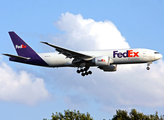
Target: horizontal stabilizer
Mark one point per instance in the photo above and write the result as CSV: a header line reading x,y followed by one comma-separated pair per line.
x,y
17,57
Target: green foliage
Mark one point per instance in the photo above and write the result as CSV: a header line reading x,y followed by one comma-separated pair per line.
x,y
134,115
120,115
71,115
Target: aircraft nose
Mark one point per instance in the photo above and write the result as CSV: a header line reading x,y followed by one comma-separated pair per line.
x,y
159,56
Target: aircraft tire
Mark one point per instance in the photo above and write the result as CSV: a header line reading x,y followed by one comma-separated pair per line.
x,y
83,74
86,73
78,71
148,68
90,72
82,70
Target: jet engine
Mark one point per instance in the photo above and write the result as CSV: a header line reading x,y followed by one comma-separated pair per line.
x,y
101,61
108,68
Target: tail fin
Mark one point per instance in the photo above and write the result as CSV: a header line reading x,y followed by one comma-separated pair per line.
x,y
22,48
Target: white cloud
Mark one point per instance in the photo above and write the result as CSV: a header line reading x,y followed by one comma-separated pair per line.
x,y
87,34
131,86
21,87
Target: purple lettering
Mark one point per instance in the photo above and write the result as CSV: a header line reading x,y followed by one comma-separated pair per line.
x,y
125,54
114,53
119,55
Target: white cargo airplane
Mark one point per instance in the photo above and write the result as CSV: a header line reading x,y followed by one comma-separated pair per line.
x,y
105,60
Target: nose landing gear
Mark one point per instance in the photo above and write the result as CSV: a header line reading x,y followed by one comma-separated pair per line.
x,y
148,68
84,71
148,65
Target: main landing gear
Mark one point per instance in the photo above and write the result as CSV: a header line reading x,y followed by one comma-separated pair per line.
x,y
148,65
84,71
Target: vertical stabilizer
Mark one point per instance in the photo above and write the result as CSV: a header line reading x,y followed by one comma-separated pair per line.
x,y
22,48
25,53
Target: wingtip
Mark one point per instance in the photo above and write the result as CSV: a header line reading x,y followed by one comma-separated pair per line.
x,y
44,42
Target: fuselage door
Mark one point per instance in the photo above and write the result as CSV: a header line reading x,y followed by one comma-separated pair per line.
x,y
144,53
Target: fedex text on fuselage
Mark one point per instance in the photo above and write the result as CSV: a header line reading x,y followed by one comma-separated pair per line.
x,y
128,53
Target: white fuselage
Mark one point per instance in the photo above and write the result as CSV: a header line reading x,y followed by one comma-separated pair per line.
x,y
120,56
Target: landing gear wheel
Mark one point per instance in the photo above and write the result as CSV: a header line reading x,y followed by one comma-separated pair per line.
x,y
78,71
83,74
148,68
86,73
90,72
81,70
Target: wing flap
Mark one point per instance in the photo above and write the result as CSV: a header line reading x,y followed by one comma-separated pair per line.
x,y
18,57
69,53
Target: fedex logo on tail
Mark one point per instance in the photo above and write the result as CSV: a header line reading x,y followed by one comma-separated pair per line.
x,y
20,46
128,53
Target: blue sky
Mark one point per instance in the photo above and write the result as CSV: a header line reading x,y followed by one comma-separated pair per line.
x,y
141,23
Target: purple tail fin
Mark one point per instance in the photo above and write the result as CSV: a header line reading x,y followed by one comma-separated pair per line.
x,y
22,48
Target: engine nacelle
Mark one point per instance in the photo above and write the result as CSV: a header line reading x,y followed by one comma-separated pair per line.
x,y
102,61
108,68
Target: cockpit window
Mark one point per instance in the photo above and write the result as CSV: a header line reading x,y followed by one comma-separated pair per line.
x,y
156,52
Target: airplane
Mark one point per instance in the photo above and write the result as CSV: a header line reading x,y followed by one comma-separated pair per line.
x,y
106,60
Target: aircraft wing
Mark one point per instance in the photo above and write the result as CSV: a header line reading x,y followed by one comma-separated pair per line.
x,y
18,57
69,53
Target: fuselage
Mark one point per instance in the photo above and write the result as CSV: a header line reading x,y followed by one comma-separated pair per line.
x,y
119,56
